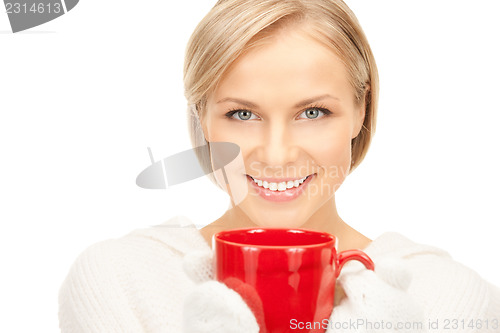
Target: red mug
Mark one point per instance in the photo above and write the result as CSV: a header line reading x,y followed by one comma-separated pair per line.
x,y
286,276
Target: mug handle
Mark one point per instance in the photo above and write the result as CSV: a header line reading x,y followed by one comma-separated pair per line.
x,y
347,255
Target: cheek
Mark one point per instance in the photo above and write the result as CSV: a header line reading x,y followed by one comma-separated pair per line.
x,y
331,150
222,131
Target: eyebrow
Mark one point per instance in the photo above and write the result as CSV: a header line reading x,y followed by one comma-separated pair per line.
x,y
298,105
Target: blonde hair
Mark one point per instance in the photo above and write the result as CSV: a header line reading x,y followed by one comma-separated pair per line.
x,y
233,26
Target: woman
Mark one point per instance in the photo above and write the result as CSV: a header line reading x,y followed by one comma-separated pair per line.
x,y
294,84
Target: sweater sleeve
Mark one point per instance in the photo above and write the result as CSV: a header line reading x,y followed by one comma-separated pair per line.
x,y
452,292
91,299
448,291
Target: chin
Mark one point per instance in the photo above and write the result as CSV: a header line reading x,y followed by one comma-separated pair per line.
x,y
291,221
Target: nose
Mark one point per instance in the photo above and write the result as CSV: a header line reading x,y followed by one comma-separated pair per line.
x,y
278,146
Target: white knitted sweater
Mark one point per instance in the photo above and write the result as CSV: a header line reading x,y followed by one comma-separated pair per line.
x,y
136,283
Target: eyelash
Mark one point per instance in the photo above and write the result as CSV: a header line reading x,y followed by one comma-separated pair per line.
x,y
321,108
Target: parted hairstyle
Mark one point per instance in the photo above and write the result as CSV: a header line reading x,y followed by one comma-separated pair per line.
x,y
232,27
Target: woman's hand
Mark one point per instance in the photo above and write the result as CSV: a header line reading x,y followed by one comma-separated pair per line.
x,y
377,301
212,306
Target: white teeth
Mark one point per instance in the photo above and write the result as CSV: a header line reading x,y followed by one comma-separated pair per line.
x,y
283,186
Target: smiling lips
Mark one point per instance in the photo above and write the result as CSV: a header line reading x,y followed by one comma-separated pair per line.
x,y
285,190
279,186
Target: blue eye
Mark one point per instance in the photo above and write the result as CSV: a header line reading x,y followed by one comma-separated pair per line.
x,y
242,114
314,112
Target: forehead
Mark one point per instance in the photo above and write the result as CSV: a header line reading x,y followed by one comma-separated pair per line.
x,y
289,63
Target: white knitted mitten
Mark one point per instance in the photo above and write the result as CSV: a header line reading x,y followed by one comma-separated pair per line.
x,y
212,306
377,301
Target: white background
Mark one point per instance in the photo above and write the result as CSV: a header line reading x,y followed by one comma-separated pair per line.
x,y
83,96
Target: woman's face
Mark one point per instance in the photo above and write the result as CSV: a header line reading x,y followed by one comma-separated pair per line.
x,y
289,106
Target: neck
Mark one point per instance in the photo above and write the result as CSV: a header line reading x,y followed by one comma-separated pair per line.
x,y
326,219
